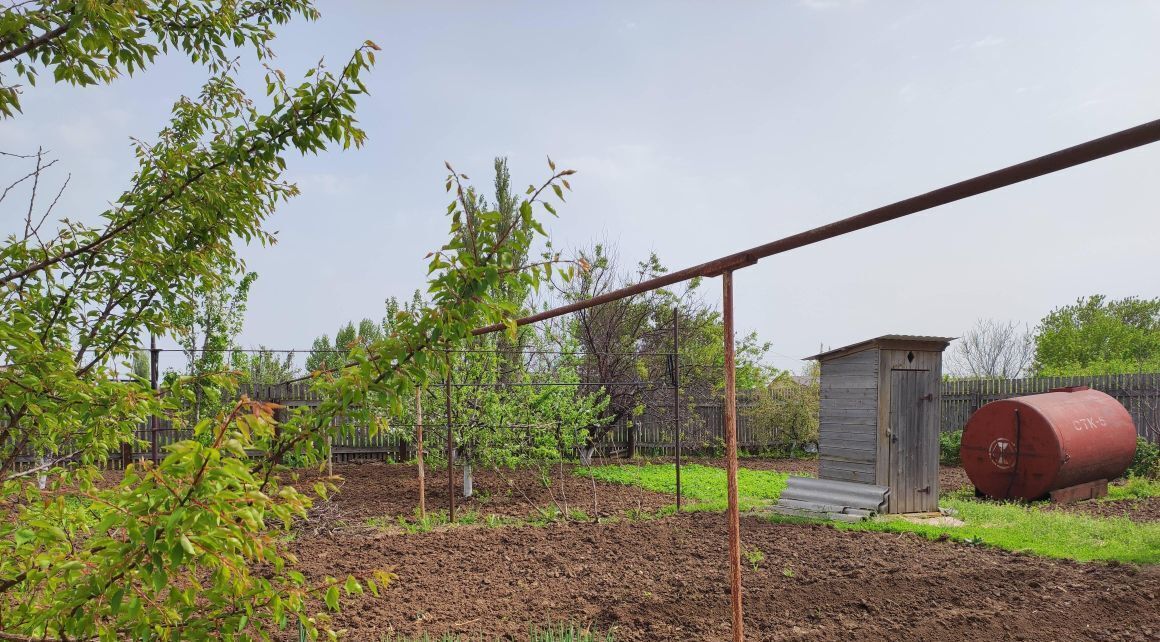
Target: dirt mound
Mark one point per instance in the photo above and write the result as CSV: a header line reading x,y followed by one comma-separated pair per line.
x,y
952,479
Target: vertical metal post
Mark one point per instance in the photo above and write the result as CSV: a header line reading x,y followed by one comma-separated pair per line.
x,y
450,441
154,353
731,458
419,452
677,400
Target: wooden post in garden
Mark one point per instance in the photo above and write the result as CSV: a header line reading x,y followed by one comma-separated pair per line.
x,y
734,517
419,452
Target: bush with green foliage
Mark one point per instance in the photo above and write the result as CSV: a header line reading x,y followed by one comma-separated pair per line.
x,y
786,411
949,444
1097,335
1146,462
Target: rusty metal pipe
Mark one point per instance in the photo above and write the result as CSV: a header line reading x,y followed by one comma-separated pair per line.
x,y
677,399
1070,157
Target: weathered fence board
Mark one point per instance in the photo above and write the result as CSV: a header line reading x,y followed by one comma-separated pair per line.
x,y
1139,394
702,428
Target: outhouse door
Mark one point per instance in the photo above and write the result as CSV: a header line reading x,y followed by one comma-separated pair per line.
x,y
913,479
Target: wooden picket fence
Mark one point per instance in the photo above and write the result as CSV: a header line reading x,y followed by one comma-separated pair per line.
x,y
703,432
702,424
352,442
1139,394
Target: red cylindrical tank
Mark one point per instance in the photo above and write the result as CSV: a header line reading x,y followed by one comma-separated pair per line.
x,y
1026,447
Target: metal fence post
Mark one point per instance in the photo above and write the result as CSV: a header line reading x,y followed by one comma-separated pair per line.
x,y
419,453
450,440
154,353
677,400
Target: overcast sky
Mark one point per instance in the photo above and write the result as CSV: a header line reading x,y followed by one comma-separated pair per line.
x,y
699,129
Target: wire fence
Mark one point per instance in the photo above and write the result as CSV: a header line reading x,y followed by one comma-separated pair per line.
x,y
653,432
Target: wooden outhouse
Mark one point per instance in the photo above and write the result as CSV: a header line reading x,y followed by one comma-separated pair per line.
x,y
879,423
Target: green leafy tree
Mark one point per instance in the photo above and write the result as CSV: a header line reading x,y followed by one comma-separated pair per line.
x,y
264,367
464,293
188,549
786,410
530,415
207,329
1097,335
174,551
325,355
498,417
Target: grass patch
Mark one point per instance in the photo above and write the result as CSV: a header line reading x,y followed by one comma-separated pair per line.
x,y
1018,527
1010,526
704,484
431,521
1136,488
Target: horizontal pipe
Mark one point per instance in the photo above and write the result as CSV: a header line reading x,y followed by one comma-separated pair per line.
x,y
1070,157
575,384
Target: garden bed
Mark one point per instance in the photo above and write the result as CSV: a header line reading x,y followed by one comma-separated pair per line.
x,y
666,579
1137,510
375,493
642,577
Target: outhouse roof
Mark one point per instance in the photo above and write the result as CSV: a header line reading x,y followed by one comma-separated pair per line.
x,y
889,341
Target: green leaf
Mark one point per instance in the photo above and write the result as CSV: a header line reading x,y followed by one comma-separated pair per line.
x,y
331,598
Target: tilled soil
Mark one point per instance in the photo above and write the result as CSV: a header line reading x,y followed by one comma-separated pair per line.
x,y
667,580
952,479
1137,510
377,490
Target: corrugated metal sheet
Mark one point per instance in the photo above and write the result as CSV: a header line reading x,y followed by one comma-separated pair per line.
x,y
830,493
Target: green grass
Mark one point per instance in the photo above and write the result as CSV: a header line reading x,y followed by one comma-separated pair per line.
x,y
1016,527
705,484
1136,488
1010,526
